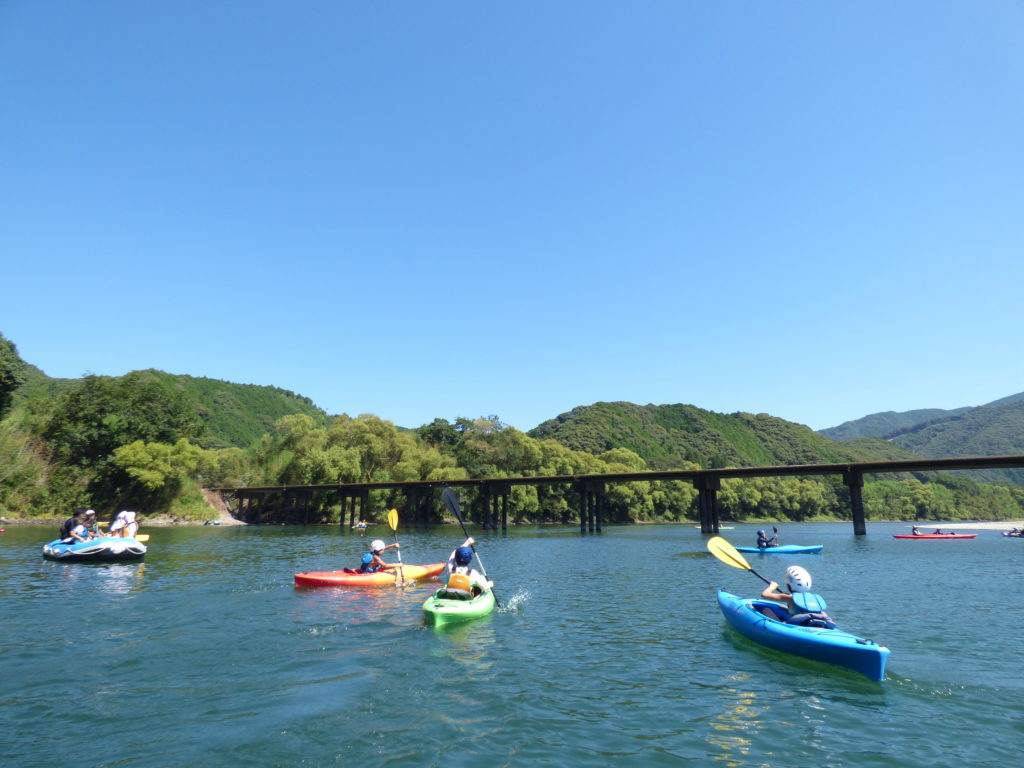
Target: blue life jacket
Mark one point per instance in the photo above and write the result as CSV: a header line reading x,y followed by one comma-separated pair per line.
x,y
813,611
810,602
369,567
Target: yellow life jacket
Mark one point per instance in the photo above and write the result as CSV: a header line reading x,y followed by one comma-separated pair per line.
x,y
459,585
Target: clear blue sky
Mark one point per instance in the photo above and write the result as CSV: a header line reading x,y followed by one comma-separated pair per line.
x,y
462,208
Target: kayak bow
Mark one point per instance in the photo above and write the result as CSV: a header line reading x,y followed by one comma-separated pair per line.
x,y
440,611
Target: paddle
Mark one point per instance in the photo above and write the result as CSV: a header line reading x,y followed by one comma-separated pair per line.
x,y
393,522
452,502
728,554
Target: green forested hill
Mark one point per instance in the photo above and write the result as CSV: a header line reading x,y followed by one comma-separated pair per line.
x,y
989,430
234,414
994,429
667,435
888,423
239,414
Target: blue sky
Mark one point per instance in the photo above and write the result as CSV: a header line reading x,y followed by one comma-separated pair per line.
x,y
463,208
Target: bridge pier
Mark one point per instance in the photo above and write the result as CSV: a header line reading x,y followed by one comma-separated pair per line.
x,y
494,497
854,480
708,487
592,496
349,501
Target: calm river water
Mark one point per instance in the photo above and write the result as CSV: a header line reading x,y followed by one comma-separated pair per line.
x,y
610,649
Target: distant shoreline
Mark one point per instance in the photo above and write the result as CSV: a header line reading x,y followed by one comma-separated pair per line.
x,y
163,521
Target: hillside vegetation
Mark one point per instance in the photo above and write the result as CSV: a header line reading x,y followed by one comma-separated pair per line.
x,y
151,441
995,429
666,436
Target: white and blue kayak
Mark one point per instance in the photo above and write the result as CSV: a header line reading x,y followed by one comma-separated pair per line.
x,y
102,550
784,549
833,646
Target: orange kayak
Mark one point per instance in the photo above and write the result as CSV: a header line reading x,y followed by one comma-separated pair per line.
x,y
349,578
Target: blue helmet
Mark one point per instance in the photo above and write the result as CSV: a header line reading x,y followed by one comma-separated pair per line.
x,y
761,533
367,558
463,556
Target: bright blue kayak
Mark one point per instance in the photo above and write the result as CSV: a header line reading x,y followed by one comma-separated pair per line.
x,y
785,549
833,646
102,550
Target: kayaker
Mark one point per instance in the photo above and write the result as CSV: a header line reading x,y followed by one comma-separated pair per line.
x,y
763,541
805,607
459,566
915,530
371,561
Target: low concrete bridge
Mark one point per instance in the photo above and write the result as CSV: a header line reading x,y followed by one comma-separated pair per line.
x,y
292,503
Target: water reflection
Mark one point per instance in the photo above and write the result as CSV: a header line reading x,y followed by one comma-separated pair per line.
x,y
735,728
122,579
469,645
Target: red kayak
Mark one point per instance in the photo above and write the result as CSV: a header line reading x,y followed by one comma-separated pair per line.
x,y
349,578
935,536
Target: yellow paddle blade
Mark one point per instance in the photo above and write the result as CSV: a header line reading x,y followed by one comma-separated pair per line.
x,y
393,519
727,553
142,537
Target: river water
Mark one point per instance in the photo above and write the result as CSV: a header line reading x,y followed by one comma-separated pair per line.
x,y
609,649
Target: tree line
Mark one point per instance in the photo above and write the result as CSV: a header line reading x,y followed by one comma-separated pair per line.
x,y
132,442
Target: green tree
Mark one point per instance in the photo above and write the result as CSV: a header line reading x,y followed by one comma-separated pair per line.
x,y
12,373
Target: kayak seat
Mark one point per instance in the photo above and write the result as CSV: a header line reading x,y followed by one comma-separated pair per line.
x,y
773,612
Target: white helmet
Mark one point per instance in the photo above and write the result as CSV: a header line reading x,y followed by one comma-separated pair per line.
x,y
798,578
378,546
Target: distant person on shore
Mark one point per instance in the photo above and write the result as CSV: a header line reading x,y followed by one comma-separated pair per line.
x,y
805,607
764,541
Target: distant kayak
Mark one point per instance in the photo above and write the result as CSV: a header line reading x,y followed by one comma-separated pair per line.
x,y
934,535
349,578
833,646
784,549
106,549
439,610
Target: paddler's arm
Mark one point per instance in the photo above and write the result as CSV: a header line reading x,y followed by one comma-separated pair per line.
x,y
772,592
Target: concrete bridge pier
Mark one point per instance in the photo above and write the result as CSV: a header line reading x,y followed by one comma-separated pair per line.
x,y
854,480
708,487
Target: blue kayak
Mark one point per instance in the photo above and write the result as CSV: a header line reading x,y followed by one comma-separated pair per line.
x,y
833,646
102,550
785,549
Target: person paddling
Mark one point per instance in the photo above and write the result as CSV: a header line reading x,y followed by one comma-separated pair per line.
x,y
463,579
371,561
805,607
763,541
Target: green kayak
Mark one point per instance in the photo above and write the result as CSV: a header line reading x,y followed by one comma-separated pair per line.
x,y
439,611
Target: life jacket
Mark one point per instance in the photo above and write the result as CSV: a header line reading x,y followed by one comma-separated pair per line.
x,y
459,585
66,526
369,567
810,602
812,609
